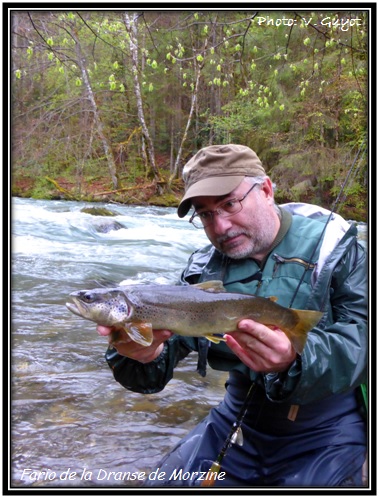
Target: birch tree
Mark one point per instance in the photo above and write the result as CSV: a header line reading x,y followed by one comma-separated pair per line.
x,y
292,85
81,62
176,169
62,42
131,28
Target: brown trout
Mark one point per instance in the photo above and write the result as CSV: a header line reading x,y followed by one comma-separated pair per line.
x,y
198,310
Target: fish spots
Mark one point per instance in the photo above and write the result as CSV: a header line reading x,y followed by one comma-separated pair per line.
x,y
188,311
118,308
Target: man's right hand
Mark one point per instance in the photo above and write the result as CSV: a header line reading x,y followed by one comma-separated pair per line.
x,y
127,347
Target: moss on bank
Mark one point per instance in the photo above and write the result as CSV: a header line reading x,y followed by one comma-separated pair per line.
x,y
353,207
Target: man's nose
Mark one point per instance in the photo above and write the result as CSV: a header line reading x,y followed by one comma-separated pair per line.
x,y
221,225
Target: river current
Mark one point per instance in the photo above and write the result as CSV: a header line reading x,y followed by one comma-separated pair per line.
x,y
72,424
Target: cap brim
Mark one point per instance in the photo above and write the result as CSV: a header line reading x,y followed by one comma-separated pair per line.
x,y
214,186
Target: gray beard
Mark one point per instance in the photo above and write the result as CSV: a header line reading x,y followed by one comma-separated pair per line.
x,y
258,242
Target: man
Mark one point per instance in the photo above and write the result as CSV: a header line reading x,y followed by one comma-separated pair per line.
x,y
303,425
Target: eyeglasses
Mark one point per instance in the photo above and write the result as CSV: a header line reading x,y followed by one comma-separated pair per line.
x,y
228,208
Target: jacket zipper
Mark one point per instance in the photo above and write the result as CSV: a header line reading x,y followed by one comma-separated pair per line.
x,y
280,260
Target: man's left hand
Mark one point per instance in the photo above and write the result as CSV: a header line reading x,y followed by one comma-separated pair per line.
x,y
261,348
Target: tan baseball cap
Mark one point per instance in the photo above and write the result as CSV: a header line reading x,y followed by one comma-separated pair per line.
x,y
217,170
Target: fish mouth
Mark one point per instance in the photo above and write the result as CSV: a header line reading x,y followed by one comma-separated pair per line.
x,y
75,308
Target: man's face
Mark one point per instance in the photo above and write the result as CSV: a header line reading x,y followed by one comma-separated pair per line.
x,y
249,233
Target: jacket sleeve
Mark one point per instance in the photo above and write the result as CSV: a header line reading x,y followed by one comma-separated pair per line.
x,y
334,359
150,377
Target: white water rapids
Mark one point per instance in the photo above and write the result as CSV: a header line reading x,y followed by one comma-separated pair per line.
x,y
72,425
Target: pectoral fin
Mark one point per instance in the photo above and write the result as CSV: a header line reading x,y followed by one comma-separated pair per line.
x,y
142,332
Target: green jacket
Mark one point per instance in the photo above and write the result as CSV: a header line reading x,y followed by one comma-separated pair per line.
x,y
334,359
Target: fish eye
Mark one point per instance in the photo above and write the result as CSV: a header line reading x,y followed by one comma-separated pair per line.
x,y
88,297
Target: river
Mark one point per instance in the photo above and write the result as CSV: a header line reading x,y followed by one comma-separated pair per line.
x,y
72,425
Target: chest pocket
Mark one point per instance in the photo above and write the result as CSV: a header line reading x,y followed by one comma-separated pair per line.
x,y
282,276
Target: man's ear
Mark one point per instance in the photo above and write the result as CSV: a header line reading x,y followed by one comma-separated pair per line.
x,y
267,188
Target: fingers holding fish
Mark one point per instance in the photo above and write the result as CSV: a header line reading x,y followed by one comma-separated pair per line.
x,y
125,346
261,348
104,331
144,354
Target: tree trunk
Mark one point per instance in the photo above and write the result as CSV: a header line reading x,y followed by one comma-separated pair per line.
x,y
131,27
99,125
175,173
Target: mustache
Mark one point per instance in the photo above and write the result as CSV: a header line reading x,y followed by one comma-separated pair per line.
x,y
230,235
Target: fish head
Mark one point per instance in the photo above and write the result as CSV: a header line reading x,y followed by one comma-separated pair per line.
x,y
103,306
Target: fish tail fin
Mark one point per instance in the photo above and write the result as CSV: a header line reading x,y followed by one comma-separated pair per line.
x,y
307,319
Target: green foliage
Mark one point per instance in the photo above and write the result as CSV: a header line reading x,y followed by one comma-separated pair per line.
x,y
293,86
43,189
166,200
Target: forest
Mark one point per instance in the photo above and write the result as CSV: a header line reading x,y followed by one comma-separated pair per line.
x,y
108,105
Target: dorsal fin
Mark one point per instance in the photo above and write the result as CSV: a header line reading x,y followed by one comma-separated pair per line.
x,y
273,298
211,286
